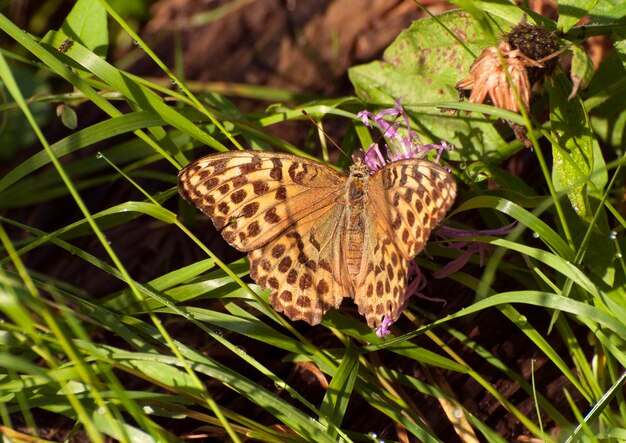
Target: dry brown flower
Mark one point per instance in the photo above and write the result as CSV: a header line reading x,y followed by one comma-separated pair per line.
x,y
489,78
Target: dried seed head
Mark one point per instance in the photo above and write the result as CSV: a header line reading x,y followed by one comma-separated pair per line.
x,y
536,43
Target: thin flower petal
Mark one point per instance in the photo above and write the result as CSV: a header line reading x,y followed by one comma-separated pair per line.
x,y
468,248
454,265
399,147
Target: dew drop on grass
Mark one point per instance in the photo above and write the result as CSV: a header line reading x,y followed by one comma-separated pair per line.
x,y
535,235
279,385
218,332
373,435
457,413
99,156
618,255
148,410
612,235
101,410
241,350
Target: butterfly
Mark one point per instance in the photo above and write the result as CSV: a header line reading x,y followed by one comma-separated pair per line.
x,y
314,235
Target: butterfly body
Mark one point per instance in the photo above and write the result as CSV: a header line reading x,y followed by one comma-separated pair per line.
x,y
315,236
356,199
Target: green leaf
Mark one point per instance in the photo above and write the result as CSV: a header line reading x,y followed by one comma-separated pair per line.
x,y
242,385
505,10
422,66
595,256
85,137
549,301
87,23
608,116
68,116
582,70
608,10
571,11
16,133
619,37
338,393
573,148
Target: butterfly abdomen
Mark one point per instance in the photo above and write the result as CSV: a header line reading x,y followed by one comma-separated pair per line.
x,y
354,241
356,201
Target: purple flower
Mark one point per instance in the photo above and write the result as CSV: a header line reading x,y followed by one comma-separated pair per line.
x,y
401,147
468,248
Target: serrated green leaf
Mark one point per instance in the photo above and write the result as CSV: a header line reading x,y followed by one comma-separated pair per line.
x,y
572,150
422,66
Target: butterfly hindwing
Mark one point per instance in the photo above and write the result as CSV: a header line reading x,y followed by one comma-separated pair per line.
x,y
381,286
300,267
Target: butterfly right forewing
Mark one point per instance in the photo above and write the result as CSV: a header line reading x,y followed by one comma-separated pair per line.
x,y
253,196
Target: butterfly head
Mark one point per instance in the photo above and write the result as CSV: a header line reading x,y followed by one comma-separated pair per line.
x,y
359,170
359,173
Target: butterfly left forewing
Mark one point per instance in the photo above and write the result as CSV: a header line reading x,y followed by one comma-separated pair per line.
x,y
284,211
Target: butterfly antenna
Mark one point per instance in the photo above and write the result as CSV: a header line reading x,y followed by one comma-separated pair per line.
x,y
306,114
